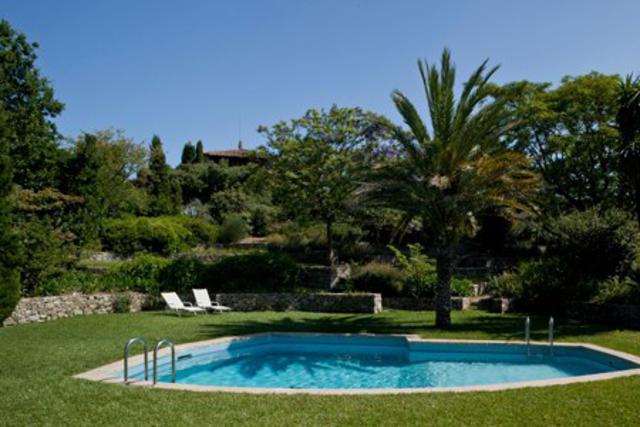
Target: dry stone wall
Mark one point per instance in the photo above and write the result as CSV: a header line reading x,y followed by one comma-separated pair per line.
x,y
41,309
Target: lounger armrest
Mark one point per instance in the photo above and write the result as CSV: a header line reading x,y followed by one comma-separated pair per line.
x,y
187,304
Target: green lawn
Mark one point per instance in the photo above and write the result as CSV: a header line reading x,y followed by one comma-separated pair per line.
x,y
37,362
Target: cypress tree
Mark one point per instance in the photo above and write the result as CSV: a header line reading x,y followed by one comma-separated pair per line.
x,y
188,154
199,152
85,184
162,190
9,276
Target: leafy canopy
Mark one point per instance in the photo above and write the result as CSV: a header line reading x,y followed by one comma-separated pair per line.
x,y
29,104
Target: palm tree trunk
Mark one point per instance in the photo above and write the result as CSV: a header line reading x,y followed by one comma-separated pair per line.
x,y
444,268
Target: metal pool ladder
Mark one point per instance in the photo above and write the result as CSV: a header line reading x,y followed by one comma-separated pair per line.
x,y
551,324
527,334
159,344
126,357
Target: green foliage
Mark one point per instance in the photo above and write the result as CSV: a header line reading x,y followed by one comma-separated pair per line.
x,y
71,281
28,101
142,273
618,290
569,133
122,303
505,285
628,123
317,162
199,152
188,154
203,232
161,235
256,272
232,229
222,190
183,274
164,191
9,246
302,237
378,277
48,251
419,271
259,221
584,249
448,173
9,291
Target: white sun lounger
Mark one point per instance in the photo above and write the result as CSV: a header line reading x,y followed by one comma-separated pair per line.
x,y
175,303
204,302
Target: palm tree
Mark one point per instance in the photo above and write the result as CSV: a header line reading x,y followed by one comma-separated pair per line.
x,y
628,120
449,173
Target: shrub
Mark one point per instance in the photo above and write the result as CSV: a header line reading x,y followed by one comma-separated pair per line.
x,y
618,290
584,250
9,291
122,303
162,235
505,285
419,272
594,246
233,228
461,287
378,277
182,274
71,281
142,274
259,221
256,272
203,232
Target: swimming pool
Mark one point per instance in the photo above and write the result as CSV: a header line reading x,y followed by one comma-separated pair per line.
x,y
279,362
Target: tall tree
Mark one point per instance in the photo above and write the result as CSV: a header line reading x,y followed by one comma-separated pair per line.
x,y
199,152
188,154
30,105
10,282
85,183
628,120
569,133
449,173
319,159
164,195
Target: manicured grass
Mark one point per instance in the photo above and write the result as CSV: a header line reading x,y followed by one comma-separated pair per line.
x,y
37,362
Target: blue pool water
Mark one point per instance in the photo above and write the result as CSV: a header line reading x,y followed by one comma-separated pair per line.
x,y
360,362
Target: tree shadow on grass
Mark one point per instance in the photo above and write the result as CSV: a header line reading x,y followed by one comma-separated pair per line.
x,y
487,325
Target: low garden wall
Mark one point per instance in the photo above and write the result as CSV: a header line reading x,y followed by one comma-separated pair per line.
x,y
623,315
40,309
423,304
318,302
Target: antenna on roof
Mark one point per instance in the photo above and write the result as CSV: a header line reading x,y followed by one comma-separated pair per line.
x,y
239,134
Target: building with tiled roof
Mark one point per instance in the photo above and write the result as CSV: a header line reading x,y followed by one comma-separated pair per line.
x,y
233,157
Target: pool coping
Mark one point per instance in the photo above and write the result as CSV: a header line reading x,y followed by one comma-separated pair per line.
x,y
109,373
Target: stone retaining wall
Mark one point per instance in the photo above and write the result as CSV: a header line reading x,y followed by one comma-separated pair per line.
x,y
40,309
423,304
318,302
623,315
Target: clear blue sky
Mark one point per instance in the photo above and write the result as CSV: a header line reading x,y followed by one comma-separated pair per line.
x,y
190,70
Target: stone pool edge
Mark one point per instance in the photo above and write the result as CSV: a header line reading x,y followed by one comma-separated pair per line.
x,y
109,373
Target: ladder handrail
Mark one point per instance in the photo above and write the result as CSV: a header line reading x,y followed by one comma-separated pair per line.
x,y
155,359
551,337
126,357
527,334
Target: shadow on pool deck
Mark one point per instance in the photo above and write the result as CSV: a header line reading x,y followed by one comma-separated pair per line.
x,y
495,326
